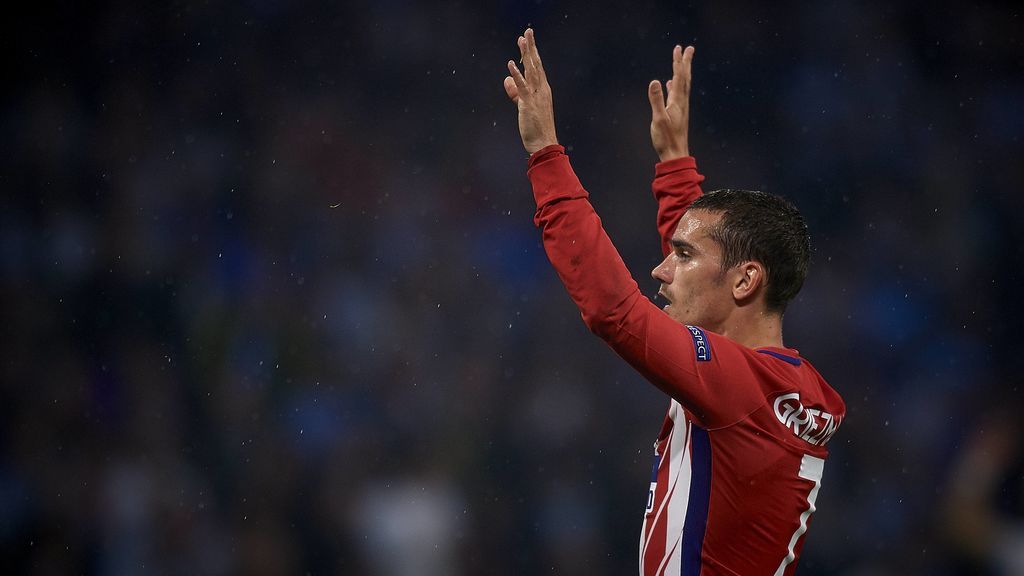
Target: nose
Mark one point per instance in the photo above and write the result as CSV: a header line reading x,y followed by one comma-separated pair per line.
x,y
665,271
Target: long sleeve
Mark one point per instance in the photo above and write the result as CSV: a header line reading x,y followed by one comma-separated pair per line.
x,y
709,375
676,185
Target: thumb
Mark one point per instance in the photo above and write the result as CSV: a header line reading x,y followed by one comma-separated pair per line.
x,y
657,99
511,90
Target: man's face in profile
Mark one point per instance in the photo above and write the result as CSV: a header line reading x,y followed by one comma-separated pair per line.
x,y
691,275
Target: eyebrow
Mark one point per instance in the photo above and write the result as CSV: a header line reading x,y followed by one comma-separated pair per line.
x,y
679,244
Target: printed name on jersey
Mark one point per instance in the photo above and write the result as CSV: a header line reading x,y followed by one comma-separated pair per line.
x,y
701,346
810,424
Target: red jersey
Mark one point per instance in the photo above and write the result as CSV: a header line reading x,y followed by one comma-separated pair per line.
x,y
739,460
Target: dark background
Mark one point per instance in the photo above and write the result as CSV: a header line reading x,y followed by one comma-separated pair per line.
x,y
273,302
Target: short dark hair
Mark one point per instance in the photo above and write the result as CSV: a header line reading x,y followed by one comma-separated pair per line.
x,y
766,228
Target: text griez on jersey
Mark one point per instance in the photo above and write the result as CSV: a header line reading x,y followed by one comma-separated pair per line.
x,y
810,424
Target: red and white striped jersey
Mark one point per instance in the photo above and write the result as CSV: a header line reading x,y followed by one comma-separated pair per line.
x,y
736,499
739,460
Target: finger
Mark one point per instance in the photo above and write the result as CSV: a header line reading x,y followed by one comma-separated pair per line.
x,y
677,63
687,65
517,78
531,39
657,99
510,89
677,59
681,63
673,85
529,70
529,61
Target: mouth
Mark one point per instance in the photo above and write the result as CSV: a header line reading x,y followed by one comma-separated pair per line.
x,y
661,292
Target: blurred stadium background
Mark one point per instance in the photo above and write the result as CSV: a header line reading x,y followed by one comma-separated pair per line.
x,y
273,302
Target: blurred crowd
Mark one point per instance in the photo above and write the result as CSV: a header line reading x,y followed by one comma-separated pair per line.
x,y
273,302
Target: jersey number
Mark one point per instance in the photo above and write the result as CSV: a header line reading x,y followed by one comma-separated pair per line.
x,y
810,469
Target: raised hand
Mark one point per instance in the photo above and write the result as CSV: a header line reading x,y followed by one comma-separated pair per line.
x,y
670,117
532,96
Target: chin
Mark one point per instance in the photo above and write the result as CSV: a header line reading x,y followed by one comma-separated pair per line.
x,y
675,315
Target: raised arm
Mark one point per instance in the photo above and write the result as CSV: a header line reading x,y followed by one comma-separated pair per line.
x,y
676,180
701,370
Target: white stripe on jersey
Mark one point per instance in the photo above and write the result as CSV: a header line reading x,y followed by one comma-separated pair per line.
x,y
676,497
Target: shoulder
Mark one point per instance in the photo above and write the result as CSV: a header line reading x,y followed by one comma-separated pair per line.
x,y
787,373
818,388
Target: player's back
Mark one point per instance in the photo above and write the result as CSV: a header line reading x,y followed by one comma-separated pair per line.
x,y
736,499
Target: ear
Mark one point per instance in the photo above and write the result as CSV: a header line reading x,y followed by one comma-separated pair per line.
x,y
748,281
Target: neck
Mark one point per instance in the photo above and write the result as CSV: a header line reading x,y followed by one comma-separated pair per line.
x,y
754,330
